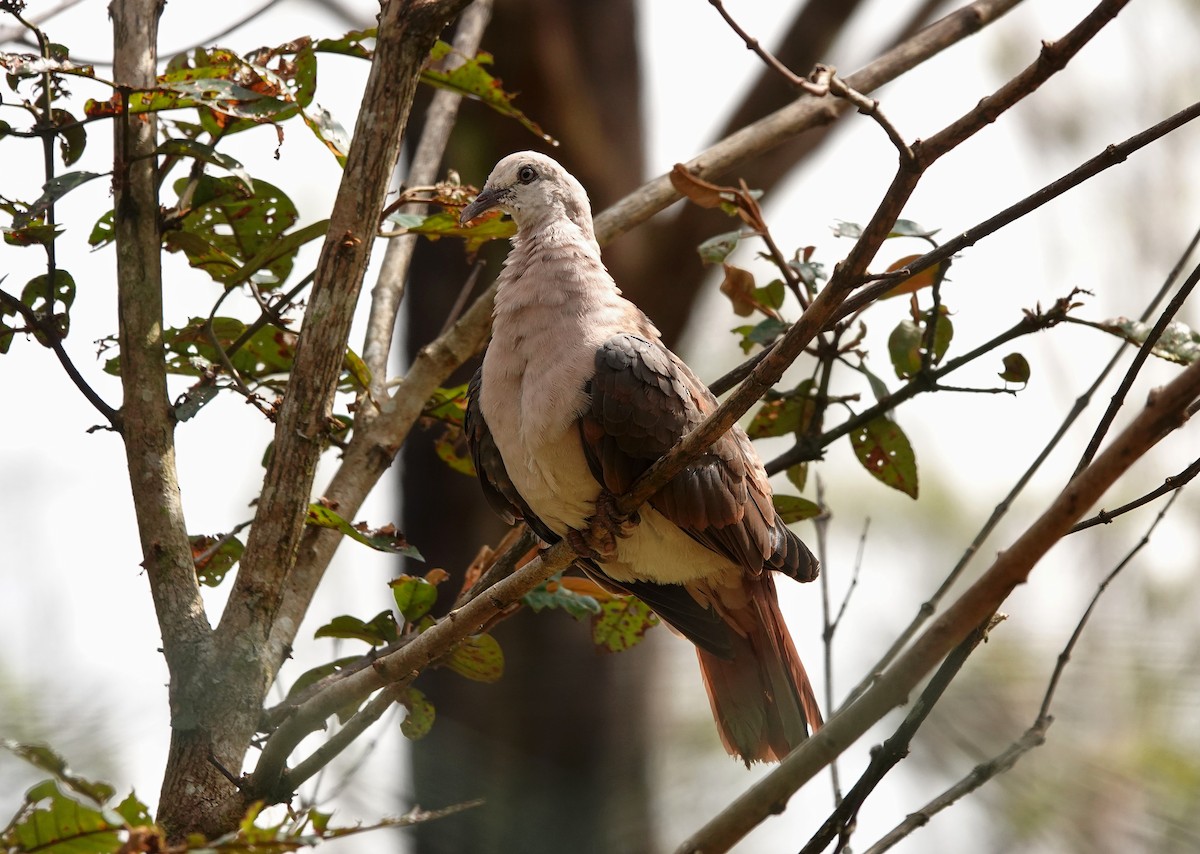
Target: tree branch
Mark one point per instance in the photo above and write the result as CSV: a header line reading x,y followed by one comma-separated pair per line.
x,y
1033,737
405,35
1163,413
799,116
393,273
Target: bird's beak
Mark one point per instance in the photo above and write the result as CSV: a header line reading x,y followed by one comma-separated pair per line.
x,y
485,201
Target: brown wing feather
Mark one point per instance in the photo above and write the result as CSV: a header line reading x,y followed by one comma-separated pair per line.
x,y
643,399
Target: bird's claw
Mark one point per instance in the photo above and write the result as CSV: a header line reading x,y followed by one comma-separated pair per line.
x,y
604,528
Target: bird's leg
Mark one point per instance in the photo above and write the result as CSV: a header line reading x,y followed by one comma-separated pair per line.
x,y
604,528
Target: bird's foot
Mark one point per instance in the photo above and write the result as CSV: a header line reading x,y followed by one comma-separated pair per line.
x,y
604,528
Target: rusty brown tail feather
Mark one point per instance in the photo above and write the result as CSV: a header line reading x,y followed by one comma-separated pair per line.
x,y
761,698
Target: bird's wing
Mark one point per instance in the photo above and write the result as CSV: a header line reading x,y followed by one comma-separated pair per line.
x,y
643,400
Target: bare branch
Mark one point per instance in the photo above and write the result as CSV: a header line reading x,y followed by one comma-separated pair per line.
x,y
821,312
1135,367
885,757
1033,737
1163,413
1111,156
929,607
799,116
1171,484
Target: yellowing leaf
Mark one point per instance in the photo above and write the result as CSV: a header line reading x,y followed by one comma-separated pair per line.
x,y
622,623
479,658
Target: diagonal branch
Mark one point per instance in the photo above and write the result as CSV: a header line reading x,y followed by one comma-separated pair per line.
x,y
1163,413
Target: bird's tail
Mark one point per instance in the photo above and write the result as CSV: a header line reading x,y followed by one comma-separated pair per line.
x,y
761,698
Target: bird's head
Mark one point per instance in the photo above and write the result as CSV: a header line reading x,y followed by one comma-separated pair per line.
x,y
532,188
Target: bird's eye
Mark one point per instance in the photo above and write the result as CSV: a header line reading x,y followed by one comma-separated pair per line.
x,y
526,174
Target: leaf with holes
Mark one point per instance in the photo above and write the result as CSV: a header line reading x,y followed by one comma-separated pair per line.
x,y
565,593
884,451
489,226
1178,343
717,248
622,623
449,69
212,562
385,539
234,235
207,154
55,302
904,346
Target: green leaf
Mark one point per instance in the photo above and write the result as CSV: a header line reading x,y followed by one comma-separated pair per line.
x,y
414,596
103,232
385,539
197,397
329,130
1016,369
762,333
797,475
351,44
135,813
886,453
904,346
316,674
942,335
72,136
841,228
379,630
490,226
478,658
469,77
782,414
447,404
420,717
451,448
52,191
793,508
622,623
771,294
208,154
553,594
234,235
34,295
878,387
1178,342
45,759
716,249
53,821
211,570
908,228
268,352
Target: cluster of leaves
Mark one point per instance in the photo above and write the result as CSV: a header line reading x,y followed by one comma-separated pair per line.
x,y
69,814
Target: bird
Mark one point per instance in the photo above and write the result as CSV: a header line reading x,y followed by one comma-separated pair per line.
x,y
576,397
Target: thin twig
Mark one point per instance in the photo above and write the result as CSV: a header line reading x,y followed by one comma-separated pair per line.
x,y
1033,737
821,525
1171,484
1162,414
884,758
1135,367
929,607
1111,156
340,740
